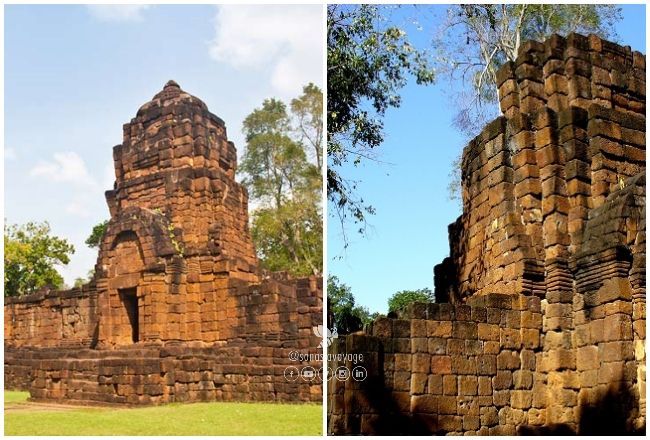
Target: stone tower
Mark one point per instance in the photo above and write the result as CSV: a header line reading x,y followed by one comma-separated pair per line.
x,y
177,310
178,234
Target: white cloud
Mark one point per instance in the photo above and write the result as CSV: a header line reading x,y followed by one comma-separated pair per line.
x,y
117,13
289,38
10,153
66,167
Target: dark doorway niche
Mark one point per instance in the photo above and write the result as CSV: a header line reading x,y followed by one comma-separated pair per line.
x,y
129,299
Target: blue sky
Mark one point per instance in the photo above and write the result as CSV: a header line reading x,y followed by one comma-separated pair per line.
x,y
75,74
408,235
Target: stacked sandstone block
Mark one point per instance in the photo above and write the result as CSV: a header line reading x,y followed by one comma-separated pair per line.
x,y
554,219
279,319
176,159
179,226
178,309
61,318
445,369
154,375
609,305
573,131
576,71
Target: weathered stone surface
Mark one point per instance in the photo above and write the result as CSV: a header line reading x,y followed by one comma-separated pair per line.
x,y
177,309
541,325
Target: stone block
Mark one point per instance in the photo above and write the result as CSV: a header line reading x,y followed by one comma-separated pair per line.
x,y
531,320
424,404
484,386
401,328
494,314
488,332
419,345
510,338
435,384
508,360
617,327
491,347
383,328
502,380
468,385
530,338
450,385
501,398
479,314
450,423
471,423
473,347
463,312
522,379
421,363
419,383
489,416
402,362
437,346
464,330
447,405
616,351
439,329
402,381
418,328
557,339
441,365
486,364
463,365
456,346
560,359
587,358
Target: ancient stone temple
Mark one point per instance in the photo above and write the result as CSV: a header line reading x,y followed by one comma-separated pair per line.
x,y
178,309
539,325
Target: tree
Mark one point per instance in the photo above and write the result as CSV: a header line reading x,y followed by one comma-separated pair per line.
x,y
95,238
404,297
287,223
80,281
476,40
289,238
308,111
348,317
31,256
368,61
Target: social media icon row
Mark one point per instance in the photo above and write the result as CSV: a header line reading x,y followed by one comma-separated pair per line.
x,y
309,374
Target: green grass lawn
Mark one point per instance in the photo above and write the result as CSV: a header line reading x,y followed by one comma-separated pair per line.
x,y
218,418
16,396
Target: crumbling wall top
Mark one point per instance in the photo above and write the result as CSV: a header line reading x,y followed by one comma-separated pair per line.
x,y
572,133
574,71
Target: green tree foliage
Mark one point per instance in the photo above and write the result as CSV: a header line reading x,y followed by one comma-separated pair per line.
x,y
284,185
80,281
476,40
348,317
404,297
368,61
31,256
308,110
95,238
